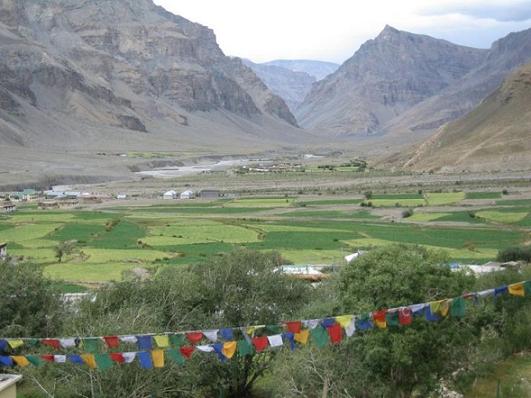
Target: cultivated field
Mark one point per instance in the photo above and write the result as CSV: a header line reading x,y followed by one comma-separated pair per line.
x,y
108,241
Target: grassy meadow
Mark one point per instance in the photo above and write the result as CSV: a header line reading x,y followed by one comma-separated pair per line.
x,y
109,242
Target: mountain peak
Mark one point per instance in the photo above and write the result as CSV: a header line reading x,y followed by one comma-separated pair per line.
x,y
388,31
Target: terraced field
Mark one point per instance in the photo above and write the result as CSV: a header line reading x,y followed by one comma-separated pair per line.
x,y
115,240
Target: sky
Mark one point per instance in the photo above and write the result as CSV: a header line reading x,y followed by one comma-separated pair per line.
x,y
332,30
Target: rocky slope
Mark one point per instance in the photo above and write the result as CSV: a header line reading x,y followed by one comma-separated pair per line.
x,y
385,77
496,135
318,69
126,74
289,85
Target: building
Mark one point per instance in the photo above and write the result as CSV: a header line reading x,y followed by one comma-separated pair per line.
x,y
209,194
58,204
187,194
3,250
169,195
9,207
8,385
121,196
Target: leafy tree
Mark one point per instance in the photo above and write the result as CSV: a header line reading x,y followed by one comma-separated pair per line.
x,y
63,249
29,303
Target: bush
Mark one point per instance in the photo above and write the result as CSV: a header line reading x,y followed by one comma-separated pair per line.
x,y
517,253
407,213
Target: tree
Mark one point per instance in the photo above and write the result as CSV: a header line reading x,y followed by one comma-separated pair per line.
x,y
29,303
63,249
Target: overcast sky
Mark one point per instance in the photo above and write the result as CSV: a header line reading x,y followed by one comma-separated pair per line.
x,y
332,30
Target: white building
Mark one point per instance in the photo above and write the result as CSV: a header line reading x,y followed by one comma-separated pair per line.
x,y
169,195
187,194
3,250
121,196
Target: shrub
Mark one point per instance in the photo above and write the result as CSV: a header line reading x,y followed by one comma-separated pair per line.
x,y
516,253
407,213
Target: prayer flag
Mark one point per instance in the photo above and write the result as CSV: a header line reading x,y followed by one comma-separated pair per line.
x,y
405,316
20,360
104,361
294,327
350,329
417,309
486,293
344,320
291,338
91,345
145,343
75,358
194,337
319,336
112,341
144,358
177,340
274,329
68,343
302,336
218,348
212,335
158,358
527,288
391,318
311,323
204,348
229,348
89,360
54,343
275,340
260,343
379,318
187,351
244,348
59,358
162,341
47,357
15,343
430,316
175,356
117,357
336,333
517,289
129,357
364,322
128,339
327,322
457,307
3,345
6,360
500,290
227,334
35,360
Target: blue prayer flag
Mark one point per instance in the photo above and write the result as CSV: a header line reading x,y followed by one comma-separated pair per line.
x,y
227,334
145,360
6,361
74,358
144,342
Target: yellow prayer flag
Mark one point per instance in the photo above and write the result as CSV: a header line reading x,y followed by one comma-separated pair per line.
x,y
252,329
158,358
517,289
90,360
162,341
440,307
344,320
229,348
15,343
302,336
445,307
20,360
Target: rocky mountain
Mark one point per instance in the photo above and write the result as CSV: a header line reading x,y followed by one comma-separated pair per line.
x,y
289,85
503,57
384,78
496,135
126,74
318,69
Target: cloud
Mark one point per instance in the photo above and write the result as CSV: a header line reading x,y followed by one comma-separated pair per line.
x,y
503,11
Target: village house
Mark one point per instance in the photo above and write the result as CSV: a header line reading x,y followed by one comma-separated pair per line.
x,y
8,385
9,207
169,195
58,204
209,194
188,194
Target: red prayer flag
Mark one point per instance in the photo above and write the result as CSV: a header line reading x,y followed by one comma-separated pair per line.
x,y
336,333
194,337
405,316
187,351
294,327
260,343
112,341
54,343
47,358
117,357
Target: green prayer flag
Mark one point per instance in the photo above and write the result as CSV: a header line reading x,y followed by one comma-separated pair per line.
x,y
319,336
457,307
34,360
274,329
244,348
32,342
91,345
175,356
527,287
391,318
177,340
103,361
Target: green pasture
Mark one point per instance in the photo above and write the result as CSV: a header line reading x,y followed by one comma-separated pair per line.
x,y
483,195
109,242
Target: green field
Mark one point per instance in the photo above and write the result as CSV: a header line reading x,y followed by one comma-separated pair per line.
x,y
112,241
